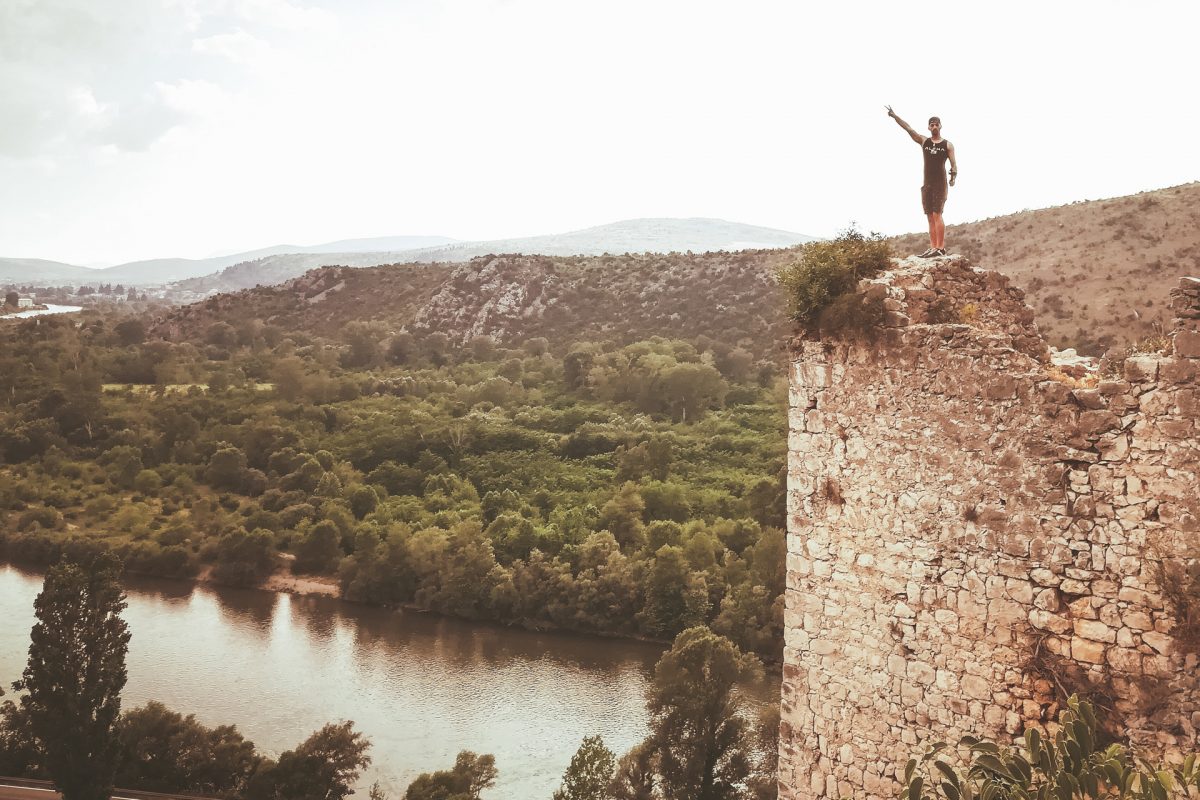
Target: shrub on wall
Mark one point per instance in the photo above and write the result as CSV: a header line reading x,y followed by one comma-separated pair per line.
x,y
827,271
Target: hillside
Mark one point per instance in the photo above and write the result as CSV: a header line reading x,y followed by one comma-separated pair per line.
x,y
166,270
39,271
628,236
727,296
1096,272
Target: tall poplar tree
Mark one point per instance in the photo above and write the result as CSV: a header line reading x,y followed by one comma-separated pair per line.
x,y
75,675
696,724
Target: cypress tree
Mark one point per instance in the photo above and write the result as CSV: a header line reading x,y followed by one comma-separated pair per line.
x,y
75,675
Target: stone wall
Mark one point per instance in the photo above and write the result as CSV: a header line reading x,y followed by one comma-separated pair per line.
x,y
973,533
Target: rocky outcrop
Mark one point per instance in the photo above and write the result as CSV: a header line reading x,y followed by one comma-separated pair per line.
x,y
730,297
974,533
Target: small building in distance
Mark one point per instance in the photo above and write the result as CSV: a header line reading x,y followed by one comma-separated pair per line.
x,y
25,302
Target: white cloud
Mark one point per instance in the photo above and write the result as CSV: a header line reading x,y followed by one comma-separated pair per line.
x,y
282,14
197,98
238,46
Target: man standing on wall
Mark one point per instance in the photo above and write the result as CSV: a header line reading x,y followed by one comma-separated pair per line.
x,y
936,151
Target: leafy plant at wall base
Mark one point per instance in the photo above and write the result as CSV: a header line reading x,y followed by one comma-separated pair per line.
x,y
1071,765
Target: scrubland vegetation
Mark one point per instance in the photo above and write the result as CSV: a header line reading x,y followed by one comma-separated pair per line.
x,y
631,490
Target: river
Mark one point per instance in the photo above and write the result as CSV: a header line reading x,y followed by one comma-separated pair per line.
x,y
41,312
421,687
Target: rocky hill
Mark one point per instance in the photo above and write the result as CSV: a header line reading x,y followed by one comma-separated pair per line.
x,y
728,296
1096,272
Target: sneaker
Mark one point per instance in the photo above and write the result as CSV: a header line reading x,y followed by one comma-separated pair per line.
x,y
930,253
939,253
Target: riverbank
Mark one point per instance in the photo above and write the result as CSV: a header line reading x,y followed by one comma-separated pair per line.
x,y
284,581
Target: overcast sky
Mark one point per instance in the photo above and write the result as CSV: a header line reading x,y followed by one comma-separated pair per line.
x,y
145,128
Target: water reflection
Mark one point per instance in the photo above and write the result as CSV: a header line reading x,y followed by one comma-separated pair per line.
x,y
422,687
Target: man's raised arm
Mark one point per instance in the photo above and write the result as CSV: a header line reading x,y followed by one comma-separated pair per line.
x,y
916,137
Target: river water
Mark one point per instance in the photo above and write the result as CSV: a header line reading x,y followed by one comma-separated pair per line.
x,y
41,312
421,687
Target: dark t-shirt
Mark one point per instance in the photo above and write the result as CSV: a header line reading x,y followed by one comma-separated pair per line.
x,y
936,154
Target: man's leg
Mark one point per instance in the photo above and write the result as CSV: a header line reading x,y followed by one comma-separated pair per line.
x,y
934,220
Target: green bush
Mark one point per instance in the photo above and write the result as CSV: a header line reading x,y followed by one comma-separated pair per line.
x,y
1075,764
826,271
47,518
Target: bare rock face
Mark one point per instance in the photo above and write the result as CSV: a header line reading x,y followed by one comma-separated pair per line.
x,y
973,529
485,299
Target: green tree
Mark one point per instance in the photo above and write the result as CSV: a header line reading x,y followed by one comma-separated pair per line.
x,y
130,332
590,773
226,469
324,767
637,774
288,377
696,723
319,550
469,777
124,463
75,675
622,516
365,340
688,389
401,348
363,501
20,753
162,751
244,559
675,597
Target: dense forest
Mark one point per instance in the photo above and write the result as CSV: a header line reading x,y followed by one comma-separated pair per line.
x,y
630,488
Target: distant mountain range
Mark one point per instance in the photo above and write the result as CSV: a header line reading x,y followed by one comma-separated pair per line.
x,y
272,265
168,270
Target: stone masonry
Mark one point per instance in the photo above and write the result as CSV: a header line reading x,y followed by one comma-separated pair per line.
x,y
973,533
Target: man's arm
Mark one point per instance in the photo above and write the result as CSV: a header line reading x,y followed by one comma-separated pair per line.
x,y
953,163
916,137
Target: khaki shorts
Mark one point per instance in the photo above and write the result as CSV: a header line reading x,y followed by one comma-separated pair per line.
x,y
933,198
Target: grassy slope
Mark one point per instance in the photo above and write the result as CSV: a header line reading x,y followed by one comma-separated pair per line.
x,y
1097,272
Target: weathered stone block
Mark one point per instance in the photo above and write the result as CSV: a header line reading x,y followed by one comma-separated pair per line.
x,y
1159,641
1087,650
1141,369
1094,630
1187,344
976,688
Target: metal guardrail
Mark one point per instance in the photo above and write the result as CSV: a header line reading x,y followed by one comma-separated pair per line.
x,y
118,794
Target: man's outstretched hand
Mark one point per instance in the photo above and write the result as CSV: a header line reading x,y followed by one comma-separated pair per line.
x,y
890,112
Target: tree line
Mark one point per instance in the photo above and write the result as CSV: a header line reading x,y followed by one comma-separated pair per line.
x,y
634,490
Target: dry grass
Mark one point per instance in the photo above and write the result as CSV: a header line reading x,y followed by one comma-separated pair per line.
x,y
1096,272
1086,382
